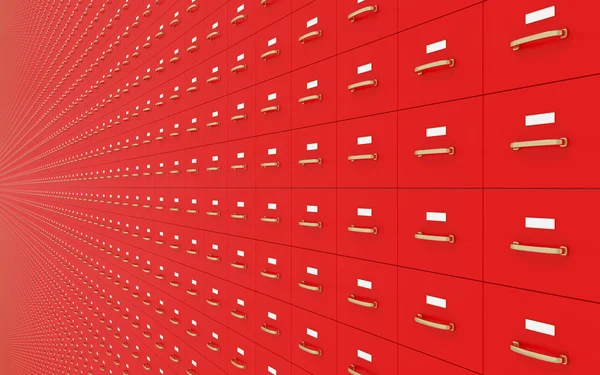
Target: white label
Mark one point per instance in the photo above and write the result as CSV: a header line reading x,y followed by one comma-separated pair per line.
x,y
215,291
215,158
364,140
215,25
195,79
272,261
194,120
240,351
272,151
215,69
272,206
176,237
215,336
539,223
194,39
364,284
240,8
215,246
435,301
437,46
241,302
194,363
215,203
312,333
436,216
312,22
271,42
195,323
215,114
176,162
540,15
271,370
364,355
364,212
176,274
194,201
312,271
240,204
436,132
240,155
194,282
271,315
312,146
312,84
194,161
365,68
540,119
240,57
546,329
240,253
194,242
314,209
272,96
240,106
359,1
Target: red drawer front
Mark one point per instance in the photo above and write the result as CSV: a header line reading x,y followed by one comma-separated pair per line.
x,y
273,325
535,134
314,281
241,353
268,363
314,157
314,343
241,259
364,353
544,245
314,95
364,22
520,324
273,270
273,153
441,231
314,219
313,33
240,306
273,210
570,31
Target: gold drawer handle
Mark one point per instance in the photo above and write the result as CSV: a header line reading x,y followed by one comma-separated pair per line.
x,y
562,250
237,315
146,270
190,332
238,117
191,130
516,44
174,284
175,59
367,83
213,79
352,370
309,98
174,358
145,78
147,367
303,38
191,251
159,34
273,108
213,124
213,303
238,166
146,13
309,224
148,109
174,134
174,22
192,89
175,97
212,347
372,305
192,292
562,142
426,237
174,171
192,8
192,48
236,216
213,35
237,68
159,138
353,158
302,284
272,52
310,161
444,327
159,276
159,346
263,3
436,64
435,151
235,19
370,8
213,258
238,266
213,213
274,332
241,366
268,275
191,170
354,229
190,371
174,321
190,211
270,164
159,311
303,347
269,219
560,360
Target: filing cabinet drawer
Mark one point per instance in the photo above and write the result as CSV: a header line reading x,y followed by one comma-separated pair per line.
x,y
361,22
241,212
273,50
273,109
241,15
273,325
314,99
364,353
241,116
273,153
273,211
241,64
314,281
268,363
313,342
273,270
241,305
241,171
241,353
215,32
215,297
241,258
313,33
271,11
214,344
214,254
314,157
314,219
215,210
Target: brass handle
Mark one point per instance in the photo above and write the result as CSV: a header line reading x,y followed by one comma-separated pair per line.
x,y
192,8
354,229
272,52
444,327
353,158
562,359
190,371
309,98
147,367
370,8
367,83
274,332
146,238
238,166
237,68
304,37
191,211
174,97
212,124
238,117
436,64
174,22
174,321
145,78
159,34
309,224
174,284
269,219
213,258
269,275
310,161
238,266
190,332
213,79
562,142
174,171
213,213
435,151
352,370
270,164
426,237
146,270
273,108
159,346
213,303
159,242
192,292
159,276
191,130
213,35
212,347
263,3
237,315
303,347
192,89
191,251
302,284
159,138
236,216
175,59
516,44
159,311
174,358
241,366
146,334
372,305
192,48
237,18
562,250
